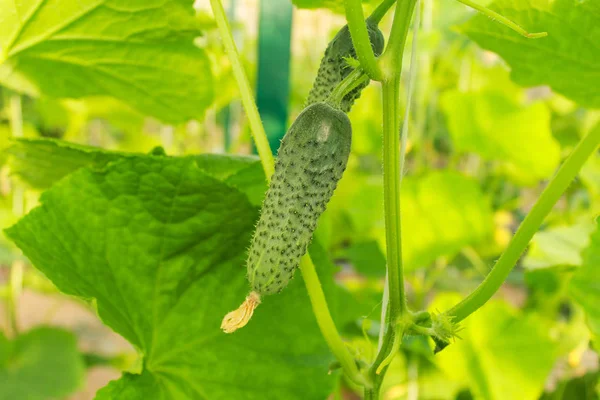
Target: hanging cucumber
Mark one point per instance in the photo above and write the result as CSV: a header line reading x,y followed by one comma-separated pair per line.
x,y
334,66
311,160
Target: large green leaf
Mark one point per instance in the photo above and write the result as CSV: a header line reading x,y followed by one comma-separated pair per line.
x,y
40,364
503,354
160,245
568,59
42,162
495,126
585,284
140,52
558,246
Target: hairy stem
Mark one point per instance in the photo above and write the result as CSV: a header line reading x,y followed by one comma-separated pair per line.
x,y
392,176
360,39
557,186
326,324
313,286
258,131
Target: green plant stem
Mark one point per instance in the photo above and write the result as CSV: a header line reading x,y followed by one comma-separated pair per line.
x,y
326,324
392,174
256,126
380,11
311,279
528,228
360,39
355,78
391,59
503,20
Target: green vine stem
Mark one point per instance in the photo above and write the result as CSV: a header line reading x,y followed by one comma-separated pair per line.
x,y
557,186
381,10
326,324
355,78
360,39
503,20
256,127
397,314
311,279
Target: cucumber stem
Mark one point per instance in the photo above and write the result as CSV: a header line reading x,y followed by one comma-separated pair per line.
x,y
354,79
397,310
256,127
380,11
555,189
360,39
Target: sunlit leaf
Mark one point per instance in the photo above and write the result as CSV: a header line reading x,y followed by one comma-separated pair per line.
x,y
496,127
161,245
568,59
503,354
433,214
139,52
558,246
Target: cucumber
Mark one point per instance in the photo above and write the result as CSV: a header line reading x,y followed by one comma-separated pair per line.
x,y
334,67
311,160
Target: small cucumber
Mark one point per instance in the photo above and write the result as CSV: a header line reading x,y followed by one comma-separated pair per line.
x,y
334,67
311,160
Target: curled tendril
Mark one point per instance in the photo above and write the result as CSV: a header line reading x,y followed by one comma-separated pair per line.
x,y
239,318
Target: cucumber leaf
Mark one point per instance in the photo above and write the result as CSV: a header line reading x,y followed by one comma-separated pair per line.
x,y
140,52
498,128
495,359
160,245
568,59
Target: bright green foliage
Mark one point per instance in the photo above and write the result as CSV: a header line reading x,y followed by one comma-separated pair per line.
x,y
311,160
558,246
503,354
585,284
334,66
337,5
42,162
160,245
139,52
495,126
568,59
40,364
433,209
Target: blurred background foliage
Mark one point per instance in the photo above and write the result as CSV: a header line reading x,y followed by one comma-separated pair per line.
x,y
481,148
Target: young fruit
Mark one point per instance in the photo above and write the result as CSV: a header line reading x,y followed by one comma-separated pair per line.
x,y
334,66
311,160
